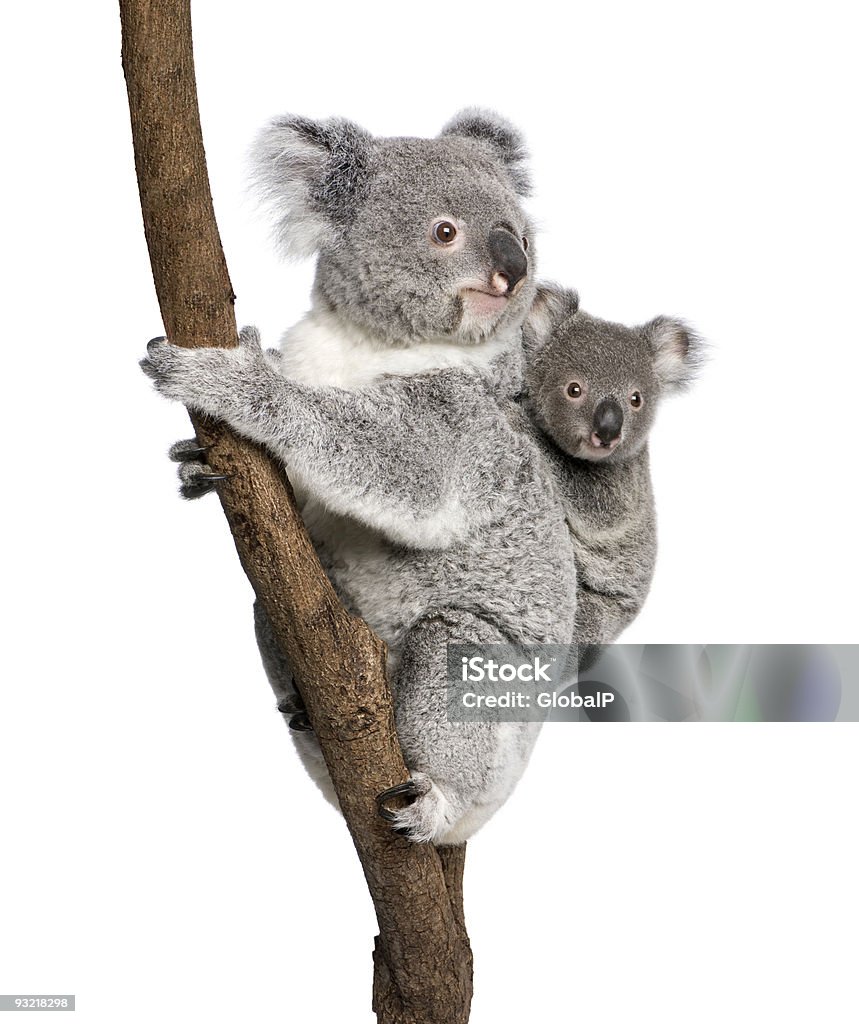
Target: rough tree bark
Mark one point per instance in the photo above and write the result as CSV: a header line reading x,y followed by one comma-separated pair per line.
x,y
422,957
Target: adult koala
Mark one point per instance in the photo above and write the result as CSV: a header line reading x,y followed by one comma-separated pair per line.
x,y
392,406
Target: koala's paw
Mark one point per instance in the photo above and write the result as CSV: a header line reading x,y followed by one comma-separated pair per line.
x,y
177,372
196,478
291,704
427,812
201,378
292,708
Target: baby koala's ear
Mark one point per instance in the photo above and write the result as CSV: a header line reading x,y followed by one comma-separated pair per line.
x,y
678,352
310,175
497,133
551,306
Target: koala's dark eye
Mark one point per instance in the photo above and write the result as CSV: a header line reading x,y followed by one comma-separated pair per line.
x,y
524,244
443,232
635,400
574,390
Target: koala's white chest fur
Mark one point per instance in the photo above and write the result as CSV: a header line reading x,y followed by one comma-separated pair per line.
x,y
321,350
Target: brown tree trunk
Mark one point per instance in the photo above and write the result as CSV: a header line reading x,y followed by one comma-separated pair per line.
x,y
422,958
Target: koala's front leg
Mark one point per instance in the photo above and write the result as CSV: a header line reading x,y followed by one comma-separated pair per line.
x,y
390,456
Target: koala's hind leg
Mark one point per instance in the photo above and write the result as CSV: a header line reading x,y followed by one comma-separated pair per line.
x,y
276,666
460,772
290,704
196,479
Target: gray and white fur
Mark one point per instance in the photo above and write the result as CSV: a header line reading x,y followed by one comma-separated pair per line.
x,y
391,404
592,387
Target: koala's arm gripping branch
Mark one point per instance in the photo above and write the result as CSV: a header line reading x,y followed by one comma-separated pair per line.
x,y
395,456
423,967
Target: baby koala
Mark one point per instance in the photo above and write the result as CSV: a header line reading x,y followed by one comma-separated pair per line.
x,y
592,387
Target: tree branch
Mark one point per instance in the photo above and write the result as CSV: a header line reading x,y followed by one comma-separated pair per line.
x,y
423,961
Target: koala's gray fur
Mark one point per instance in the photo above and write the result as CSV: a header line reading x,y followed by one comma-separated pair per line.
x,y
392,406
605,489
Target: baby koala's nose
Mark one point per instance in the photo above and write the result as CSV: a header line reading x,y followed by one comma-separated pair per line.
x,y
608,420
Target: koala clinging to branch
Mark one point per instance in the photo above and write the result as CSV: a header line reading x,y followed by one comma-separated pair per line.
x,y
593,388
391,406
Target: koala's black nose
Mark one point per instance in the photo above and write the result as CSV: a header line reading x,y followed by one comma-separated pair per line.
x,y
608,420
508,257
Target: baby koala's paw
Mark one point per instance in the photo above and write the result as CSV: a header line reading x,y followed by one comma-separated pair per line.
x,y
427,814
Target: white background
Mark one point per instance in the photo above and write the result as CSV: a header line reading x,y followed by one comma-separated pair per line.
x,y
161,853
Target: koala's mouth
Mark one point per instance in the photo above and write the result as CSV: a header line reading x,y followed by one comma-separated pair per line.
x,y
488,299
594,449
483,301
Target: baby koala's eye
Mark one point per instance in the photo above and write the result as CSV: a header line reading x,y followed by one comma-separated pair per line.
x,y
524,244
635,400
443,232
574,390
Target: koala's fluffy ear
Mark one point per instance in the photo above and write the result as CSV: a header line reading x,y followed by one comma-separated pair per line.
x,y
678,352
311,176
551,306
505,141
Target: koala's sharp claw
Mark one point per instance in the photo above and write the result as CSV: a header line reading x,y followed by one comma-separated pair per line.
x,y
406,789
300,722
195,477
200,484
291,705
187,451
